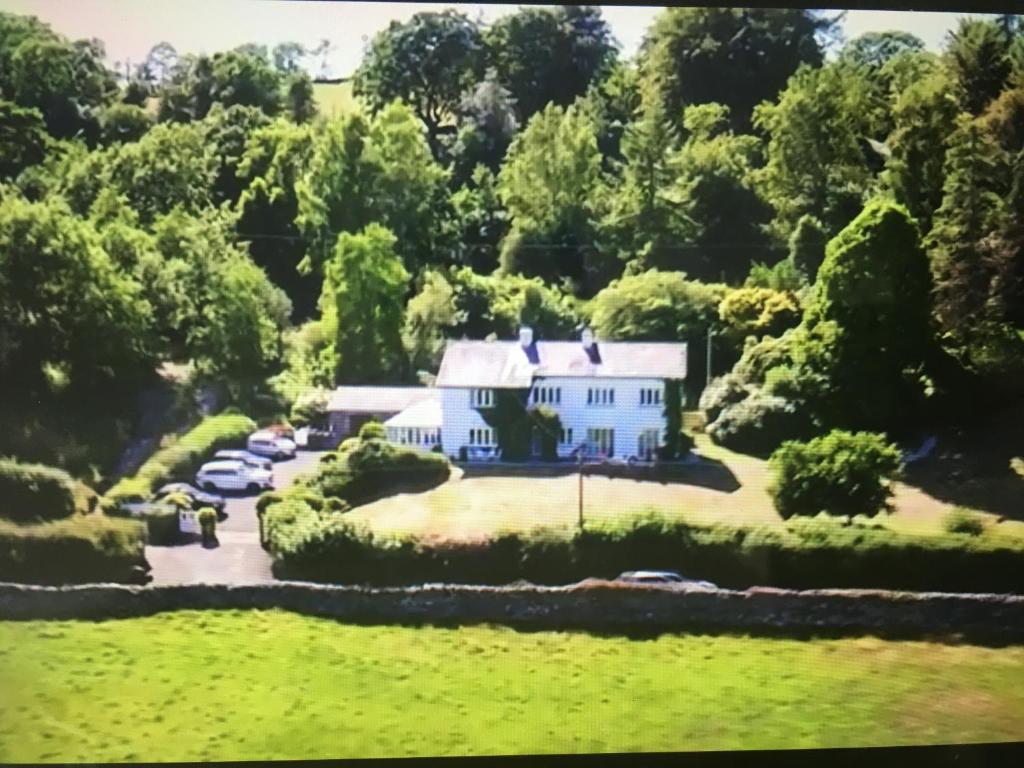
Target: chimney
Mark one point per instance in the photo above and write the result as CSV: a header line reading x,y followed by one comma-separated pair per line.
x,y
525,336
587,337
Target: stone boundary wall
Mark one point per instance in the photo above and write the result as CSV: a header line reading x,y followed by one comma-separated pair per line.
x,y
600,606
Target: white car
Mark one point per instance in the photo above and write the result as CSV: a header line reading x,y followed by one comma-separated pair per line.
x,y
259,462
233,476
269,444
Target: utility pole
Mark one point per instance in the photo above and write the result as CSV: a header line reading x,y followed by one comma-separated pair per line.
x,y
708,379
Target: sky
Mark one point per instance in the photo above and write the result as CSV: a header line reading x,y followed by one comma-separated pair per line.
x,y
129,28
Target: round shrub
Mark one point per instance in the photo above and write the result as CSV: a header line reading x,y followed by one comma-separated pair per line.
x,y
720,393
335,505
758,311
841,474
962,520
35,492
761,356
758,424
208,522
373,430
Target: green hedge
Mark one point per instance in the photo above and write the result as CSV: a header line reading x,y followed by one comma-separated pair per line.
x,y
810,554
34,492
161,521
76,550
183,458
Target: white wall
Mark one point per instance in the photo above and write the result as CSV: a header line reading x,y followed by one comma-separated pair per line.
x,y
627,416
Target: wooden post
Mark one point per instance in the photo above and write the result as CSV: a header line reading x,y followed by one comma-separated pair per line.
x,y
580,493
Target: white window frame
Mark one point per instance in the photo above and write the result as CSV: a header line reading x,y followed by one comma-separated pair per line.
x,y
600,396
481,398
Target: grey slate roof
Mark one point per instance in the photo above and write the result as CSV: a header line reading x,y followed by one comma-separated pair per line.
x,y
506,364
378,399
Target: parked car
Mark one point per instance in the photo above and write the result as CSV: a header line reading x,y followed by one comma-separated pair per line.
x,y
482,453
267,443
199,498
668,578
233,476
260,462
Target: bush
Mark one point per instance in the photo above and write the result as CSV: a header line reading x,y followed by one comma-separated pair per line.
x,y
373,430
266,499
962,520
207,517
761,356
758,424
720,393
758,312
842,473
184,457
33,492
310,410
815,554
75,550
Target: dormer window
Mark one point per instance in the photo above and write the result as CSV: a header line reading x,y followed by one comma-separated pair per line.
x,y
481,398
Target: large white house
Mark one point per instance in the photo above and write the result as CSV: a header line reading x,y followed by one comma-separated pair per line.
x,y
609,395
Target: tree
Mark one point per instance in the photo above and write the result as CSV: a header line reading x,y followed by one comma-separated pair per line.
x,y
876,49
481,221
364,287
737,57
428,62
227,132
124,122
715,195
978,55
973,207
807,246
487,123
549,55
816,162
429,317
613,102
300,101
68,310
159,65
758,312
867,325
23,139
547,184
233,78
288,57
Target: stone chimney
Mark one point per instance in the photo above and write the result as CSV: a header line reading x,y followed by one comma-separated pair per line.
x,y
525,336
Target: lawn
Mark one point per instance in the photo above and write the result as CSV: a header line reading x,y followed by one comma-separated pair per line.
x,y
334,99
255,685
731,489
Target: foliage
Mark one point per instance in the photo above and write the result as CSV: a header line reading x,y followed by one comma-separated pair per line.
x,y
487,122
373,430
807,247
876,49
124,123
758,312
427,62
722,392
84,549
962,520
781,276
547,426
675,442
231,78
841,473
481,221
978,55
33,492
23,139
207,517
738,57
184,456
758,424
364,285
548,56
310,409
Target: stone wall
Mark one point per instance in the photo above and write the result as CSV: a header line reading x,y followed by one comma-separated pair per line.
x,y
598,606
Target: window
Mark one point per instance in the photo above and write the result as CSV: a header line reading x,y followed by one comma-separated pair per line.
x,y
566,436
482,398
601,441
647,444
481,436
650,396
600,396
547,395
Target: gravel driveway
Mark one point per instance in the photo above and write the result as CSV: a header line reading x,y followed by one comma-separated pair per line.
x,y
239,558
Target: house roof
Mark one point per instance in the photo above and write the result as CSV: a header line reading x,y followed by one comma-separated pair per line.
x,y
377,399
507,364
426,414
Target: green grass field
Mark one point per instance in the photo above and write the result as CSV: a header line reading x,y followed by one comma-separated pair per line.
x,y
274,685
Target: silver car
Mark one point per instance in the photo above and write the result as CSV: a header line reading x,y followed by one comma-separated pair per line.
x,y
259,462
664,578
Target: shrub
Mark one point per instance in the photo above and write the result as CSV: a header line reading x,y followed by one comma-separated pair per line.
x,y
842,473
310,410
761,356
758,424
207,517
33,492
373,430
547,422
962,520
758,312
75,550
720,393
183,457
266,499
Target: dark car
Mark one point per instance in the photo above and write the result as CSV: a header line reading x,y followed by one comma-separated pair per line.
x,y
199,498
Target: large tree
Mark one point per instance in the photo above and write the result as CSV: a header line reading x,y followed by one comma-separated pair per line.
x,y
978,55
364,289
487,123
738,57
428,62
549,55
23,139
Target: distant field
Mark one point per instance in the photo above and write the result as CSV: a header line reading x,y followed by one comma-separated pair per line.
x,y
272,685
334,99
732,489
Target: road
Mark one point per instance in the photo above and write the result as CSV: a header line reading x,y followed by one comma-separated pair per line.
x,y
239,558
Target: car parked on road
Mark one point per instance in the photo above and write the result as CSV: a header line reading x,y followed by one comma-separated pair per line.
x,y
199,498
233,476
267,443
259,462
666,578
478,453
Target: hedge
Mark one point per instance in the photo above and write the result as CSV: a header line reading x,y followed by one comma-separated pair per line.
x,y
34,492
184,457
161,521
76,550
810,554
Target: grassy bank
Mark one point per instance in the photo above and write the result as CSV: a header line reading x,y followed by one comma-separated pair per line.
x,y
272,685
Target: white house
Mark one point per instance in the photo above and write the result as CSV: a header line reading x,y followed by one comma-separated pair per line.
x,y
609,396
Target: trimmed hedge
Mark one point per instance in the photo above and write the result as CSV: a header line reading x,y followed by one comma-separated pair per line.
x,y
810,554
76,550
34,492
184,457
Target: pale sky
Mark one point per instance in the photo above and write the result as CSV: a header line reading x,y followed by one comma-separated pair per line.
x,y
129,28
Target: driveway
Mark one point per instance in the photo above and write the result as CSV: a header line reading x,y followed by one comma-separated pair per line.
x,y
239,558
